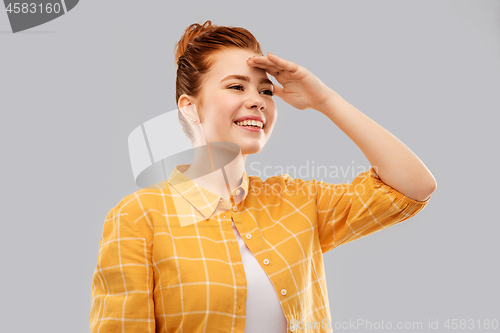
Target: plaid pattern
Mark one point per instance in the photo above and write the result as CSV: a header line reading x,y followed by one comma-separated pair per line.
x,y
155,275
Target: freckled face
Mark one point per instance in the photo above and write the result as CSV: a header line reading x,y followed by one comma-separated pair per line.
x,y
226,98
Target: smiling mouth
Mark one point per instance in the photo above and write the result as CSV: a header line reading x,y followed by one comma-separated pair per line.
x,y
250,128
249,125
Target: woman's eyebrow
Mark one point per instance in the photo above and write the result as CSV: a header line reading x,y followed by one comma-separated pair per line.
x,y
246,78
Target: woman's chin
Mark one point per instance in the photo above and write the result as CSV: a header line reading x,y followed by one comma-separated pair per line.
x,y
250,148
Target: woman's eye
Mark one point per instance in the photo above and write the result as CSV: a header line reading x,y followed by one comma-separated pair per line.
x,y
240,87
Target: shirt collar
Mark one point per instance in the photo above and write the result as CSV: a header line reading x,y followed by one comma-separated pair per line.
x,y
200,198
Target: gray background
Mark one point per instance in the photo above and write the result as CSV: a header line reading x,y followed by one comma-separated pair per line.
x,y
73,89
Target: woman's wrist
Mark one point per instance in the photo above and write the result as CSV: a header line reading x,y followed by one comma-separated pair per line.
x,y
329,104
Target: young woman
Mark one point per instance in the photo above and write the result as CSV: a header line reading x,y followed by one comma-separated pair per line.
x,y
212,249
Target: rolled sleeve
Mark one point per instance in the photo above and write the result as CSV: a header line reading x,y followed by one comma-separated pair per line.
x,y
123,282
347,212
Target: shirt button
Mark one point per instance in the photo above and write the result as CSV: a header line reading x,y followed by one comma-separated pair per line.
x,y
235,208
249,236
238,192
266,262
283,292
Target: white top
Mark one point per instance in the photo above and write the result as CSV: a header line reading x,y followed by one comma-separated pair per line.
x,y
263,308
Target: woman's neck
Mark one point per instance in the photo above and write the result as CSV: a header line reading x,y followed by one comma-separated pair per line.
x,y
217,167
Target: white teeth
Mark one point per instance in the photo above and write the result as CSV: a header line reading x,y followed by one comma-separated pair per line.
x,y
250,122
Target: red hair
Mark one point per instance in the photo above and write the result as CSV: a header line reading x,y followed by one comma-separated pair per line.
x,y
194,56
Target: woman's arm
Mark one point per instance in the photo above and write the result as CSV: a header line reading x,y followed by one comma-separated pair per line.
x,y
395,164
123,281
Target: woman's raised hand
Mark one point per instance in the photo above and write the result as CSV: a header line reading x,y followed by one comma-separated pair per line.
x,y
300,88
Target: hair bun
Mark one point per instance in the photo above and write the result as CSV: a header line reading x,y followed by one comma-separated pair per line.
x,y
191,33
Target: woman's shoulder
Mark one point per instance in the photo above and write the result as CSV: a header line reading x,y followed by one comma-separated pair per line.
x,y
135,203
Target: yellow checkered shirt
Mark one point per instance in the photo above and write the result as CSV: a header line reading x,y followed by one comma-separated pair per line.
x,y
155,275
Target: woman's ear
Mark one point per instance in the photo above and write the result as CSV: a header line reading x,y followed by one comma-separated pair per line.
x,y
187,107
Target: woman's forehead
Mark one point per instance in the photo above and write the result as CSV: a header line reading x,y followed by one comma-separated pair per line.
x,y
233,64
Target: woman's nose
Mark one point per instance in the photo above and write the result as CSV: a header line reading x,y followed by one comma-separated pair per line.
x,y
257,102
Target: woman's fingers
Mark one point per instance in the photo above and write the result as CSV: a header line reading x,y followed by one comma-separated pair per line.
x,y
263,61
282,63
273,64
267,66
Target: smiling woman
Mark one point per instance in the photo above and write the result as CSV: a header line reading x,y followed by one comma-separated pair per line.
x,y
212,249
